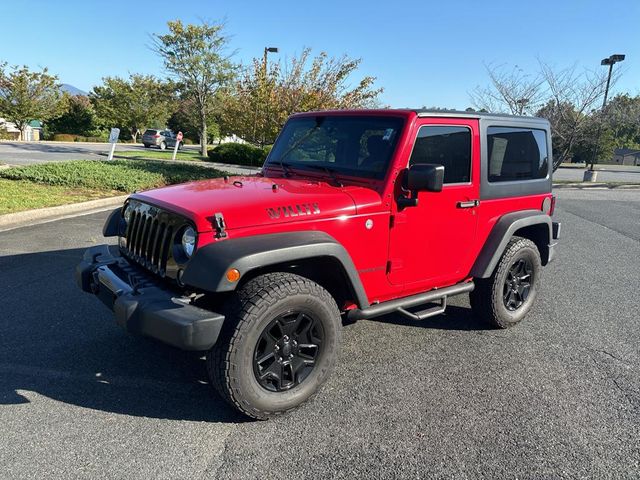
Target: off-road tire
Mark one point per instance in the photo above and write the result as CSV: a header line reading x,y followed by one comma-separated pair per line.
x,y
487,300
230,363
163,146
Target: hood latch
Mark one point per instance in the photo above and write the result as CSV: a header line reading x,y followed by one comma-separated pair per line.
x,y
219,224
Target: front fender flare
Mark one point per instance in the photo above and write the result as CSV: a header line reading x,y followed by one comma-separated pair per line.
x,y
207,269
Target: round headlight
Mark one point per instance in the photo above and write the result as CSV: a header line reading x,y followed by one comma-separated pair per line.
x,y
189,241
127,213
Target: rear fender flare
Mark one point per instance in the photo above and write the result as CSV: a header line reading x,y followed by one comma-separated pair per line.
x,y
502,232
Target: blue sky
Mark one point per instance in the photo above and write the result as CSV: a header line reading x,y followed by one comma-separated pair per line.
x,y
422,52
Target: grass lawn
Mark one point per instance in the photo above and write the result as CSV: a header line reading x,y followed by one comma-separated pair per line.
x,y
16,196
190,155
59,183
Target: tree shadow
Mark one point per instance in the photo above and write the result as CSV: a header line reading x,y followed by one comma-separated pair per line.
x,y
64,344
454,318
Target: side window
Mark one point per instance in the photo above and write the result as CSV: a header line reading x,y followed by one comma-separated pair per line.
x,y
448,146
516,154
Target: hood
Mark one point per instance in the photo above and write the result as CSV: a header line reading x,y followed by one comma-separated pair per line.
x,y
251,201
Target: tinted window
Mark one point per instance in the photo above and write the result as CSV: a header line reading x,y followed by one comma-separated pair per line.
x,y
516,154
350,145
150,132
448,146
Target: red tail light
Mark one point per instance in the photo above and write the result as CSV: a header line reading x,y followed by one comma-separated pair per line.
x,y
553,205
156,136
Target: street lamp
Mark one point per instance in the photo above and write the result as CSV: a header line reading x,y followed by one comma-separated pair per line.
x,y
610,61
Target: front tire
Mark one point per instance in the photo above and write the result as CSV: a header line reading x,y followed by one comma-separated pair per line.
x,y
506,297
278,346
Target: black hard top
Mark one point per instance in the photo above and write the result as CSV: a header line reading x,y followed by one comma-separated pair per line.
x,y
486,115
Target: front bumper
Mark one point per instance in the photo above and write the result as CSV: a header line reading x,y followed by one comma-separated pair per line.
x,y
142,306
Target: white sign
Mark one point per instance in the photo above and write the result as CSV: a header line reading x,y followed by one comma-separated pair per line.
x,y
113,136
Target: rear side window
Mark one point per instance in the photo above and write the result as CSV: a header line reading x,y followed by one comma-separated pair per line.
x,y
516,154
445,145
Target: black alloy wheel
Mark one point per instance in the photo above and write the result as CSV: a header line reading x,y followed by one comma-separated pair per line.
x,y
287,351
517,284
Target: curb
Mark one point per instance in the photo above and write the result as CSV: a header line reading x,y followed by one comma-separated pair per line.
x,y
10,221
597,185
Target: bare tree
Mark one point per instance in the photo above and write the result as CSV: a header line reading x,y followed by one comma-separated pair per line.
x,y
512,91
574,97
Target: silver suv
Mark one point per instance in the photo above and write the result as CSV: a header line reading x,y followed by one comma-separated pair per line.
x,y
159,138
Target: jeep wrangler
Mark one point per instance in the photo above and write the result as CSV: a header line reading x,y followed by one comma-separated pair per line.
x,y
354,215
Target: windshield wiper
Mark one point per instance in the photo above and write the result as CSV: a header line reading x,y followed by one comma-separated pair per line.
x,y
286,168
331,172
281,162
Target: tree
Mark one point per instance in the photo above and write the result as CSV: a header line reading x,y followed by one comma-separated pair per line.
x,y
27,96
78,117
262,99
195,56
622,121
582,90
514,91
568,98
136,103
186,119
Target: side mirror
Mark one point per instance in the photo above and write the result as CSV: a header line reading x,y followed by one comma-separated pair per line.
x,y
424,177
420,177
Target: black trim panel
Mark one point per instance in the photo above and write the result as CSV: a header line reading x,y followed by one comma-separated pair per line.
x,y
114,225
207,268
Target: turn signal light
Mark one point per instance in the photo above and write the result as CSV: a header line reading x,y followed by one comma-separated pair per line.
x,y
233,275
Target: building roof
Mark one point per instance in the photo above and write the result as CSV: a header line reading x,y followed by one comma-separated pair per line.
x,y
626,151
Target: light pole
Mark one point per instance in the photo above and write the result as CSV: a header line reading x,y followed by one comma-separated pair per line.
x,y
590,175
267,50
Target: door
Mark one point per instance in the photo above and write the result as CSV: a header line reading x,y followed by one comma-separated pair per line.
x,y
430,243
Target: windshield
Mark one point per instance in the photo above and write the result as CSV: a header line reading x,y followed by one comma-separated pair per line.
x,y
359,146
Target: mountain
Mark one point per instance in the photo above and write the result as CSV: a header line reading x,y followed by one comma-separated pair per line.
x,y
71,90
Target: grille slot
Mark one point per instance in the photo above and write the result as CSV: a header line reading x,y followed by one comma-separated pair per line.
x,y
149,237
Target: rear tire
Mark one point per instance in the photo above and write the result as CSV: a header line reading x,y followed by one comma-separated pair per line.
x,y
506,297
163,146
146,145
278,345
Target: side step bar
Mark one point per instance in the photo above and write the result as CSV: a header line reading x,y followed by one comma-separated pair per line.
x,y
401,304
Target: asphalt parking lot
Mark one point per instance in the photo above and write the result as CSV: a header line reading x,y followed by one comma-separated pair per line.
x,y
556,397
27,153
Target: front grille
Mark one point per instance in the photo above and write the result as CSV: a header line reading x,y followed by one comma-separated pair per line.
x,y
150,237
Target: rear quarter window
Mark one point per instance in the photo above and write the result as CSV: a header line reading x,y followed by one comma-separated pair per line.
x,y
516,154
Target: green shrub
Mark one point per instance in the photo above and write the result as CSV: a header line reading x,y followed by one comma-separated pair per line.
x,y
187,141
120,175
238,154
64,137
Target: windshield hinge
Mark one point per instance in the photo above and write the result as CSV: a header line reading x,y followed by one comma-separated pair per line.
x,y
219,225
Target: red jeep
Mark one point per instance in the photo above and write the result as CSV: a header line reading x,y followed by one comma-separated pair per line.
x,y
355,214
